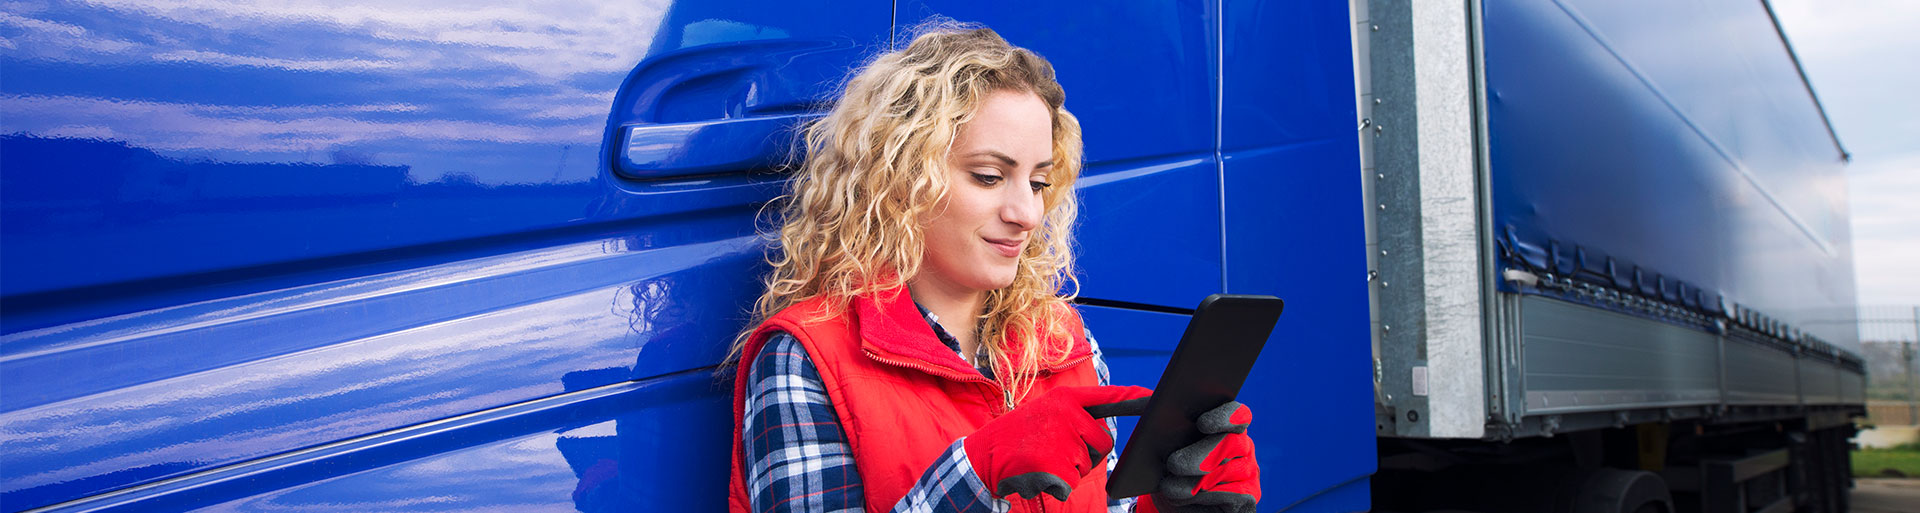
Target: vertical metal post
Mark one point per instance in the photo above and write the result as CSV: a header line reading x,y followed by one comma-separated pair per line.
x,y
1906,357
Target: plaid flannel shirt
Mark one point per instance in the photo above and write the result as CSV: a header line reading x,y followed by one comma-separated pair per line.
x,y
798,459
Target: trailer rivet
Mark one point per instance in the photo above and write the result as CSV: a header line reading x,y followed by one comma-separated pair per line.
x,y
1380,176
1376,28
1383,207
1384,327
1376,101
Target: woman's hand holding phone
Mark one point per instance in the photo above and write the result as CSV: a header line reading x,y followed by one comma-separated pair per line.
x,y
1217,474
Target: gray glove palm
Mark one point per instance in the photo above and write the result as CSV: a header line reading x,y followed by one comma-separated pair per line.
x,y
1218,474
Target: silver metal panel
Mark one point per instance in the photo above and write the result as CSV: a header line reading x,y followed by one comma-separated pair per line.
x,y
1429,281
1449,220
1543,402
1506,395
1395,210
1580,358
1819,382
1758,374
1501,322
1361,33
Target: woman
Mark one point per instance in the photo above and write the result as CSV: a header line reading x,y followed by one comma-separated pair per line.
x,y
912,351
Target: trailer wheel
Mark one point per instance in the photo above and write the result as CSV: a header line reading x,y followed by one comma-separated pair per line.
x,y
1824,475
1612,490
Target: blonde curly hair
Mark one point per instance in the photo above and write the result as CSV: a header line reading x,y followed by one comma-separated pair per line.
x,y
851,218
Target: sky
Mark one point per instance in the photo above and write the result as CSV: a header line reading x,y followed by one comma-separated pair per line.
x,y
1861,57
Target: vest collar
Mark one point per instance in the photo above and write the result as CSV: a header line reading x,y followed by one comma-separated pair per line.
x,y
891,329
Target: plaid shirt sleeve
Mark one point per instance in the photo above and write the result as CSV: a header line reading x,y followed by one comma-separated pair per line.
x,y
1123,504
798,459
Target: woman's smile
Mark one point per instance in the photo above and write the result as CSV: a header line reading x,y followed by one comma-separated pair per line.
x,y
1009,248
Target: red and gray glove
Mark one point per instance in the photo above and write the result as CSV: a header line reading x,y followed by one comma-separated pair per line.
x,y
1218,474
1050,443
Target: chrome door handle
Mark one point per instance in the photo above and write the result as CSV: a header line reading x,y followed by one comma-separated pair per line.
x,y
680,149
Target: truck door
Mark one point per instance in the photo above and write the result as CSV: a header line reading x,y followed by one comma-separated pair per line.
x,y
1294,228
369,257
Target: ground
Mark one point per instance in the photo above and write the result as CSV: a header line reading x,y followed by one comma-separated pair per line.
x,y
1885,480
1903,461
1874,495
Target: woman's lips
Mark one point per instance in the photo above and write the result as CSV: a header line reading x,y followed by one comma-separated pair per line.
x,y
1007,247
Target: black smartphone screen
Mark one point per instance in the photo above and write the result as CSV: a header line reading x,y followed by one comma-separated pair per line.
x,y
1207,369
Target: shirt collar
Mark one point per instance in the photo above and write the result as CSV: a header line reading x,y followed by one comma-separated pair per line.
x,y
940,332
888,330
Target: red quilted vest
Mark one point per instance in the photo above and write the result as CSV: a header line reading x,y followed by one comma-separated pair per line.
x,y
902,396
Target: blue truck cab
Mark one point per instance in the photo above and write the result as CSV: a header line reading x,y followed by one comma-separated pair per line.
x,y
488,255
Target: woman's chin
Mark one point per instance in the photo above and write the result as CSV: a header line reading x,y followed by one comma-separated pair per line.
x,y
1001,282
990,281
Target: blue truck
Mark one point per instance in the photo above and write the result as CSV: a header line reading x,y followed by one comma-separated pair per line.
x,y
364,256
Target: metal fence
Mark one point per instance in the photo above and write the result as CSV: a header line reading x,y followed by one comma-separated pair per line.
x,y
1890,413
1888,323
1889,336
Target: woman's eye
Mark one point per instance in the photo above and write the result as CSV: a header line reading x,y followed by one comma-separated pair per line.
x,y
1039,186
986,179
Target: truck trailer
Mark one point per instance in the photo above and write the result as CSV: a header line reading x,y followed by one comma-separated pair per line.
x,y
1538,255
1607,247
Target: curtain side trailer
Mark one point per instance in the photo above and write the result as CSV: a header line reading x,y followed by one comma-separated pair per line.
x,y
1607,256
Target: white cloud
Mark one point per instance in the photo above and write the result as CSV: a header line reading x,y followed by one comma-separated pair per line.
x,y
1885,196
176,126
42,26
541,71
1855,54
548,39
1827,29
224,59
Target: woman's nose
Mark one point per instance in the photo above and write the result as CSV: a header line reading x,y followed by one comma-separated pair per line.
x,y
1022,208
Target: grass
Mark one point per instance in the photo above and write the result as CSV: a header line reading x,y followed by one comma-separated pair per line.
x,y
1904,459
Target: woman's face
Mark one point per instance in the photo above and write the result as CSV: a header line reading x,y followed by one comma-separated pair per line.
x,y
995,174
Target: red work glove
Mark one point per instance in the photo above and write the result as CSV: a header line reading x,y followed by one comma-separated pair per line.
x,y
1216,474
1050,443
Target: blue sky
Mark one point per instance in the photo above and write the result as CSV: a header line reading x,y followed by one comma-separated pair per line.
x,y
1860,56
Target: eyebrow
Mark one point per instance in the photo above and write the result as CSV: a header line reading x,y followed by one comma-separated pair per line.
x,y
1004,159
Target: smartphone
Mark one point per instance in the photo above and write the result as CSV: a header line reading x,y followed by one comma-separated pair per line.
x,y
1207,369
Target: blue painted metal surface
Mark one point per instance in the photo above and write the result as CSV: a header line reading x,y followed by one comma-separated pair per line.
x,y
301,139
1670,149
484,255
232,233
593,450
1290,190
179,390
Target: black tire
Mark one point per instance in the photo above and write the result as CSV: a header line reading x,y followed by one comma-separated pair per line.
x,y
1611,490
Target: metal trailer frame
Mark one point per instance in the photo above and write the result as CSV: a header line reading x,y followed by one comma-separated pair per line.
x,y
1468,350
